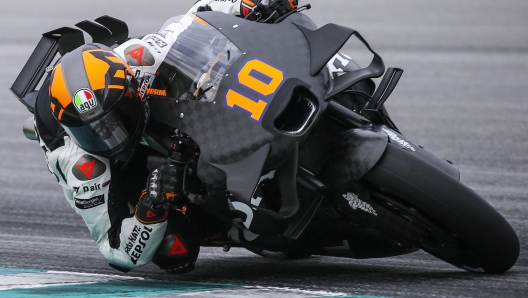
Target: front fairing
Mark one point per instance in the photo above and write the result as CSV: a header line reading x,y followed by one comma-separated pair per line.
x,y
196,63
252,89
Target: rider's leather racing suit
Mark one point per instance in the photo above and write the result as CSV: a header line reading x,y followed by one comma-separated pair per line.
x,y
102,195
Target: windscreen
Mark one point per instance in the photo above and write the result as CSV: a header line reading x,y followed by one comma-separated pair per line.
x,y
196,63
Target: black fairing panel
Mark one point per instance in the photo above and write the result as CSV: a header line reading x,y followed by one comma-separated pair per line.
x,y
228,134
355,152
258,219
351,155
419,152
324,43
241,182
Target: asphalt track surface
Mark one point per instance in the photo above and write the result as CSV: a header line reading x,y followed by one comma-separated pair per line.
x,y
462,96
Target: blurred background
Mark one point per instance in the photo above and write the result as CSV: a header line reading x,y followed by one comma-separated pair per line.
x,y
462,96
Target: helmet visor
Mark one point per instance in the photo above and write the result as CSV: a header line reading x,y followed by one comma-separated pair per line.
x,y
110,134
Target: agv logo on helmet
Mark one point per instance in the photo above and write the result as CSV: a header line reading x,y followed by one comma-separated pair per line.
x,y
84,100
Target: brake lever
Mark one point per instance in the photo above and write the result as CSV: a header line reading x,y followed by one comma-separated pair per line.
x,y
298,9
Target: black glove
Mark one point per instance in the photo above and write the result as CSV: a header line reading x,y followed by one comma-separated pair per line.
x,y
204,8
164,185
268,11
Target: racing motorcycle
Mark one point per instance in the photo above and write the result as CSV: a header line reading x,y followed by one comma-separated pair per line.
x,y
287,146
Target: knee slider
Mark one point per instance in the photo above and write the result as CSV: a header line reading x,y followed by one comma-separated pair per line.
x,y
177,254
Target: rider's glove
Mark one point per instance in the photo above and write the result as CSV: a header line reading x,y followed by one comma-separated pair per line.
x,y
163,186
204,8
267,11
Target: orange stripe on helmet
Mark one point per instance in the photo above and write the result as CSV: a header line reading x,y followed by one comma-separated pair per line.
x,y
116,87
60,114
58,88
119,74
96,70
115,59
120,61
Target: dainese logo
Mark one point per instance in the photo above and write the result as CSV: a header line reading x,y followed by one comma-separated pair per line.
x,y
88,167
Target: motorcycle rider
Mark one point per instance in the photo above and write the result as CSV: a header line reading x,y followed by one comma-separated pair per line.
x,y
91,138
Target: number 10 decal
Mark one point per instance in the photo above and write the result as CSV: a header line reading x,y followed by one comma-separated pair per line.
x,y
261,78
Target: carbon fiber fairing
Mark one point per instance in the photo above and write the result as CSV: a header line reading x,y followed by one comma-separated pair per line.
x,y
228,129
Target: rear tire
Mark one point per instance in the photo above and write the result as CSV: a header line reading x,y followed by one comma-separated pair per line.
x,y
464,229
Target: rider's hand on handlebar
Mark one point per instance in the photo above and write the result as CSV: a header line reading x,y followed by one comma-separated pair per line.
x,y
164,185
271,10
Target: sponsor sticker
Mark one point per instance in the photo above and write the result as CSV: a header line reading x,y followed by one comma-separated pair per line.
x,y
177,247
88,168
144,86
137,241
157,40
356,203
136,53
162,33
84,100
400,141
156,92
89,187
89,203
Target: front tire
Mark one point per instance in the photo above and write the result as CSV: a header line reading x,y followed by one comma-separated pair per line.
x,y
464,229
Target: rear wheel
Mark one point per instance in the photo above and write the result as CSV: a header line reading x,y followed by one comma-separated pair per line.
x,y
462,228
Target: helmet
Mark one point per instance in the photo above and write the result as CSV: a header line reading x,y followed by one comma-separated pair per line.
x,y
94,96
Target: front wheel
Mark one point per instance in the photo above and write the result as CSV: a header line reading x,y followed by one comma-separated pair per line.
x,y
463,229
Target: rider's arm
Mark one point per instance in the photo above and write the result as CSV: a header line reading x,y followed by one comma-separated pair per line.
x,y
230,7
267,11
94,193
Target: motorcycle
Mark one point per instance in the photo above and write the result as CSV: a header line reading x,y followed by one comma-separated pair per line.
x,y
287,146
